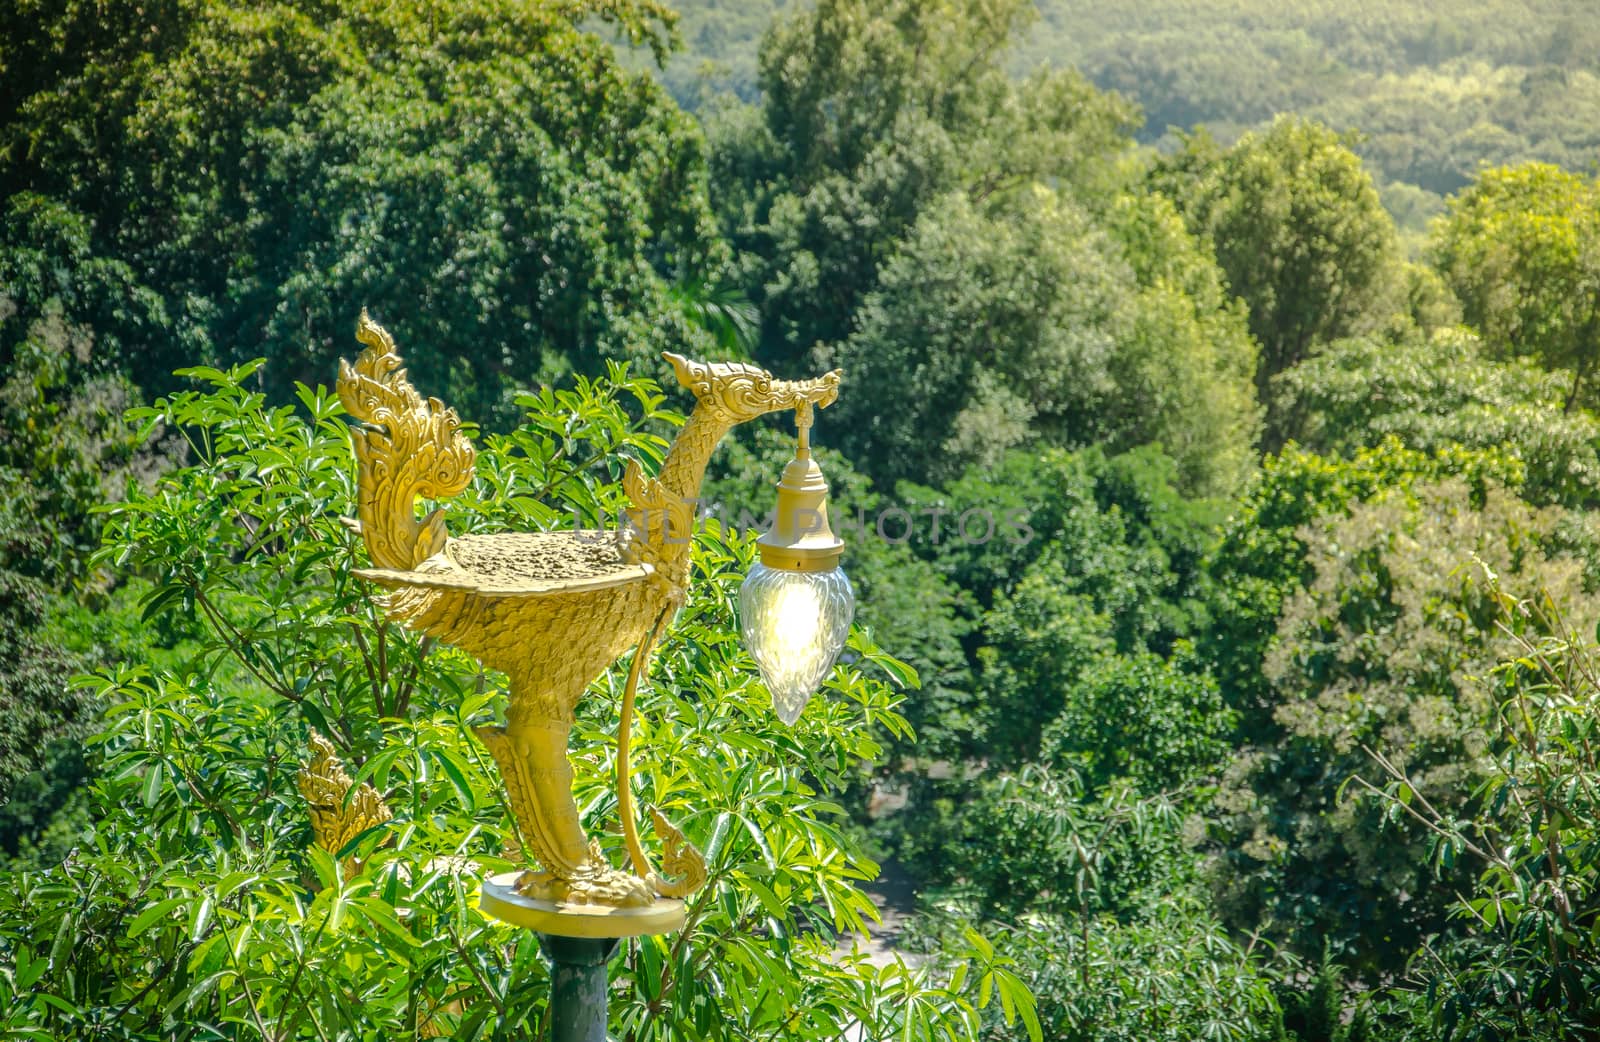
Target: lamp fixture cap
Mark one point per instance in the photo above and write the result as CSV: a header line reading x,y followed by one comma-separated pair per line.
x,y
800,539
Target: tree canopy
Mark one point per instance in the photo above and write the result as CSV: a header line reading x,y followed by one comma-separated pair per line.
x,y
1521,249
1299,233
259,167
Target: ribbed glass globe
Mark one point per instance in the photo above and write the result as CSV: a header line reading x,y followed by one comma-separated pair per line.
x,y
795,624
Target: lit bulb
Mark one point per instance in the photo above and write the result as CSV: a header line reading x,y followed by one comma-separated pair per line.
x,y
795,624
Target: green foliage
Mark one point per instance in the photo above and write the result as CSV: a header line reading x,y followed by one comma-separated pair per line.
x,y
1168,972
1435,392
1521,248
1260,558
1143,719
1436,88
1525,964
1183,370
63,450
43,720
1172,974
63,446
195,907
870,116
1138,680
721,41
977,323
1301,236
1379,650
1317,1010
724,312
1002,326
1090,700
1433,127
1038,842
1088,556
264,166
890,202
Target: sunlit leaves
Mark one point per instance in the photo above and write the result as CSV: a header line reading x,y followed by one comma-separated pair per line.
x,y
1521,248
1299,232
198,905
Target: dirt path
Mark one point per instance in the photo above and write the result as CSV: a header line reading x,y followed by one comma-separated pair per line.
x,y
895,895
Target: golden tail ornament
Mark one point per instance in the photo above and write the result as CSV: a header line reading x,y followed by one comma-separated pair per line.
x,y
408,448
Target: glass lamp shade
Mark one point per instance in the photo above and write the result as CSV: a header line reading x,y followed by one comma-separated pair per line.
x,y
795,623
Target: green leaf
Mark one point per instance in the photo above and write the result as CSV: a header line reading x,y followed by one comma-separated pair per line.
x,y
454,771
324,866
161,599
152,784
155,913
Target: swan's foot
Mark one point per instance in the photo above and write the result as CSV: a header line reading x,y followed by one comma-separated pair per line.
x,y
683,867
594,883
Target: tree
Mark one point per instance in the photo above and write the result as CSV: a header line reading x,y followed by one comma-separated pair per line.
x,y
1435,392
1379,653
1184,369
997,327
985,331
1104,556
1301,236
45,719
1259,565
1168,971
870,115
64,450
265,165
1521,248
1157,724
1523,961
1259,559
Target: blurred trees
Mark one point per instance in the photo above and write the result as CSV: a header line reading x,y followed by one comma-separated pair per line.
x,y
1434,91
1037,323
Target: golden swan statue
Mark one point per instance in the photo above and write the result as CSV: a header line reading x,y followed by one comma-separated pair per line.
x,y
552,610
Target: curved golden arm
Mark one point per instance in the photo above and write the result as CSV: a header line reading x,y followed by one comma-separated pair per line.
x,y
685,867
406,448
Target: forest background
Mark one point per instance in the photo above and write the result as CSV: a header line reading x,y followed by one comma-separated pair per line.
x,y
1276,323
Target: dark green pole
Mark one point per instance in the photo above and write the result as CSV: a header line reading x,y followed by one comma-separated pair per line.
x,y
578,986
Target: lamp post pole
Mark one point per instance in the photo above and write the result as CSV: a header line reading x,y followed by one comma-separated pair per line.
x,y
578,984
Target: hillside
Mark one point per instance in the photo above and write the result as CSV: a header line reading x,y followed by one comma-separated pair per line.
x,y
1433,88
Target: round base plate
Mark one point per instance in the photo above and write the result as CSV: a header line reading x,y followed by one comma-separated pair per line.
x,y
500,899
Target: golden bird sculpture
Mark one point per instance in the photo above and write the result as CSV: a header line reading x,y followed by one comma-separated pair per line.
x,y
552,610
